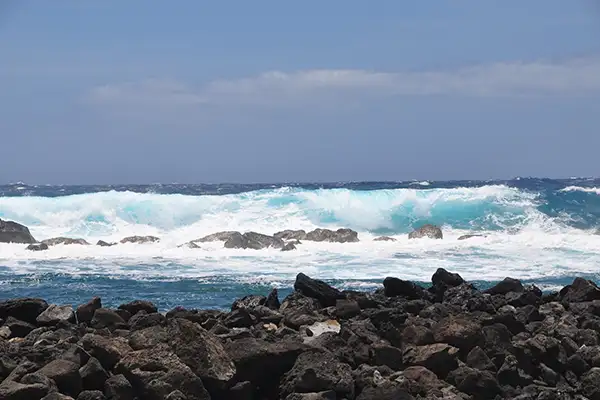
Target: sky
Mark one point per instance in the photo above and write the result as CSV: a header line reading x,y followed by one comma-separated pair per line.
x,y
112,91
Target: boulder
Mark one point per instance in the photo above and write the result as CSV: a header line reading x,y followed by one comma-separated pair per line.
x,y
428,231
107,350
117,387
18,328
24,309
106,318
217,237
55,314
140,239
93,375
397,287
505,286
327,235
384,239
579,291
37,247
65,374
12,232
64,240
273,300
480,384
288,247
291,234
461,332
189,245
11,390
317,371
91,395
155,373
449,279
143,320
440,358
203,353
85,312
325,294
148,338
139,305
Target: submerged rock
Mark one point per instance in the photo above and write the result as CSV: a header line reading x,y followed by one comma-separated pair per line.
x,y
469,236
327,235
217,237
140,239
64,240
291,234
429,231
253,240
13,232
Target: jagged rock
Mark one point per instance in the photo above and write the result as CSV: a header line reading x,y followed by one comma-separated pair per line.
x,y
18,328
479,360
37,247
317,371
24,309
327,235
325,294
384,239
190,245
589,384
57,396
346,308
55,314
385,392
93,375
480,384
85,312
64,240
65,374
147,338
505,286
140,239
11,390
217,237
143,320
239,318
417,335
202,352
91,395
273,300
107,350
288,247
580,290
443,277
291,234
315,330
397,287
439,357
253,240
155,373
250,301
327,395
12,232
117,387
428,230
460,332
102,243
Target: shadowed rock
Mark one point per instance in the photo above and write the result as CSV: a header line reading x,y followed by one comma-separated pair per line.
x,y
140,239
253,240
25,309
217,237
12,232
326,235
470,236
291,234
428,231
102,243
37,247
384,239
325,294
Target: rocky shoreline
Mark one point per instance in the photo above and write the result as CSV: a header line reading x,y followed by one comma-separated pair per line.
x,y
403,341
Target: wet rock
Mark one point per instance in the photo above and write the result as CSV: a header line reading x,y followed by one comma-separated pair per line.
x,y
37,247
291,234
316,371
117,387
24,309
397,287
65,374
155,373
102,243
445,278
93,375
12,232
143,320
85,312
239,318
327,235
253,240
64,240
140,239
325,294
55,314
217,237
273,300
428,231
288,247
505,286
470,236
384,239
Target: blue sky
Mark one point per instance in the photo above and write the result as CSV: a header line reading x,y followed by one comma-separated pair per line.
x,y
135,91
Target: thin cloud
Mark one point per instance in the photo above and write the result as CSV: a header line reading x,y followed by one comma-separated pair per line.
x,y
277,88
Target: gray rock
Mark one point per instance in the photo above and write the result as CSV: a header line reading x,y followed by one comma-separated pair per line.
x,y
327,235
469,236
24,309
85,312
288,247
65,374
102,243
429,231
37,247
10,390
64,240
93,375
325,294
91,395
139,305
291,234
140,239
217,237
12,232
55,314
440,358
117,387
384,239
107,350
253,240
189,245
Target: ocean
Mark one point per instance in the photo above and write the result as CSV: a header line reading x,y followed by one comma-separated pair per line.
x,y
543,231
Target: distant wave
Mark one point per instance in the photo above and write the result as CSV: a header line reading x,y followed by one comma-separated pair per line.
x,y
581,189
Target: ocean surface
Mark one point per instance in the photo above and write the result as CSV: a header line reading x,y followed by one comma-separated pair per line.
x,y
542,231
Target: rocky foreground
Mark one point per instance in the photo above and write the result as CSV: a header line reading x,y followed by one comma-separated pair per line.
x,y
449,341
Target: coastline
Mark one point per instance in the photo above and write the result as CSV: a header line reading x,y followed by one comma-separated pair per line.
x,y
402,341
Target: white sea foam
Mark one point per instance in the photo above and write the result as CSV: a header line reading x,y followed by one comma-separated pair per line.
x,y
581,189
